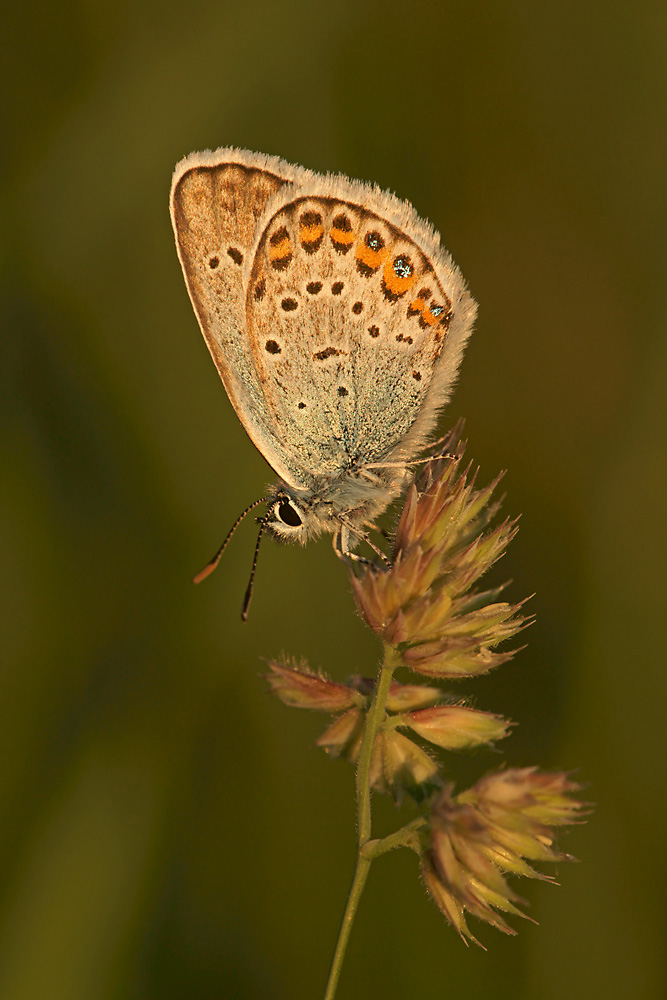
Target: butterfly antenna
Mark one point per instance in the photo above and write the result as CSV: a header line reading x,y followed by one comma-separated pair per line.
x,y
208,569
251,581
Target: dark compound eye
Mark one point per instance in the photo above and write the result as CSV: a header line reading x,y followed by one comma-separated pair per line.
x,y
288,514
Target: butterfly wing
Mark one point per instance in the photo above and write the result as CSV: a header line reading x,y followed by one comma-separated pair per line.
x,y
356,321
335,319
216,201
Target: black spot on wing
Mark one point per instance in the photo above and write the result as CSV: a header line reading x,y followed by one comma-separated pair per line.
x,y
328,352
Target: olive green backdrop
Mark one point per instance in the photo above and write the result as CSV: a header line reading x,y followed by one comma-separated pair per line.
x,y
167,829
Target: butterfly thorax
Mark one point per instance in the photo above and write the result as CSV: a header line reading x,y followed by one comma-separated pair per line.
x,y
343,506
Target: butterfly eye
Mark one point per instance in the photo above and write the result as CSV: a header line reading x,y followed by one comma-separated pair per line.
x,y
288,514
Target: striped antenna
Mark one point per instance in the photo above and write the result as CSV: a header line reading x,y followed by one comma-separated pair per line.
x,y
251,582
208,569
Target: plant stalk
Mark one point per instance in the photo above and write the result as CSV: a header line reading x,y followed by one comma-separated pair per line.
x,y
358,883
374,719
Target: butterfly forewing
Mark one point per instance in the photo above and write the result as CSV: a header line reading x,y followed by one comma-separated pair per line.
x,y
215,208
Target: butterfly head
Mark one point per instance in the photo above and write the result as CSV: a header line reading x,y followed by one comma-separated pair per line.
x,y
296,519
286,519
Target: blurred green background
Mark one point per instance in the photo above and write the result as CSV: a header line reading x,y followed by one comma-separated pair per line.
x,y
167,829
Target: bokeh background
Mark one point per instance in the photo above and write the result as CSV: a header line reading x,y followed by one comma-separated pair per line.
x,y
167,829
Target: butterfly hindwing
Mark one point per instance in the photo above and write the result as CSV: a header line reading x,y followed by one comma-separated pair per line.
x,y
347,319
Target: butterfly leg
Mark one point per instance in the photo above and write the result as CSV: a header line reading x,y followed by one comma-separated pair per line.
x,y
381,531
404,465
341,546
370,476
347,529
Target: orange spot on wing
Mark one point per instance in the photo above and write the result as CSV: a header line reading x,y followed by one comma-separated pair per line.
x,y
427,316
309,234
279,250
341,236
369,257
395,284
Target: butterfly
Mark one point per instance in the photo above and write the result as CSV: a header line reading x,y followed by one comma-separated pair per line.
x,y
337,323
